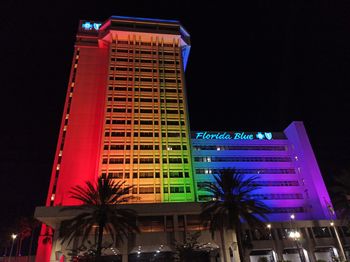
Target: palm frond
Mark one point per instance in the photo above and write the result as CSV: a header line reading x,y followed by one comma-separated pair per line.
x,y
99,209
232,203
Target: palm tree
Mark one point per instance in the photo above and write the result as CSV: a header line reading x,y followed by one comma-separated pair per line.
x,y
340,193
231,205
26,228
100,210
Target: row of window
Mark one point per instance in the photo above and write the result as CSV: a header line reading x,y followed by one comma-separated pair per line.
x,y
144,111
242,159
148,174
152,190
276,196
146,122
139,99
257,147
145,79
202,185
144,147
116,175
177,189
131,59
142,89
144,160
144,69
143,134
146,190
259,171
175,174
125,42
144,52
277,183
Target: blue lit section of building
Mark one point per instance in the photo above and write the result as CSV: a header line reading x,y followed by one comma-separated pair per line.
x,y
289,178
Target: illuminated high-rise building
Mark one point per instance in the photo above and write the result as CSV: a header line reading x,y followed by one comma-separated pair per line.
x,y
125,116
125,113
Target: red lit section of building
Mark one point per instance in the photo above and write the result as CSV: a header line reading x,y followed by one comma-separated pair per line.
x,y
78,150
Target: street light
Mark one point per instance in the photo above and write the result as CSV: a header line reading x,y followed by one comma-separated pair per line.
x,y
343,258
13,236
331,214
274,249
295,235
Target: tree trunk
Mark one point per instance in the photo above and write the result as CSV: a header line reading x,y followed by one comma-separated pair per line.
x,y
99,239
18,248
30,244
239,235
223,246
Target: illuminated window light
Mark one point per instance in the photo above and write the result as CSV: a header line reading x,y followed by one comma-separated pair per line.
x,y
52,197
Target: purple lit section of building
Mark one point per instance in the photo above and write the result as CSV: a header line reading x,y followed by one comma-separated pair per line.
x,y
289,178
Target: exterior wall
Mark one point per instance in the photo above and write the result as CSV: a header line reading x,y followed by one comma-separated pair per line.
x,y
79,148
288,175
319,200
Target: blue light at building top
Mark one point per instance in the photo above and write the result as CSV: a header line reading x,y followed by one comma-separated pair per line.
x,y
268,135
97,26
91,26
86,26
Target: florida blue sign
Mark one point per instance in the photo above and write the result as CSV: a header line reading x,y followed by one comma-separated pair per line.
x,y
233,135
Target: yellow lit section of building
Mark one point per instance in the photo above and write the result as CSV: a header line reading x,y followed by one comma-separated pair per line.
x,y
146,130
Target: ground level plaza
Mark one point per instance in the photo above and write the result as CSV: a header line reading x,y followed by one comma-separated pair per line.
x,y
163,223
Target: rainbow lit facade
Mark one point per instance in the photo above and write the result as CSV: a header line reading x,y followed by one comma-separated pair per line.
x,y
126,116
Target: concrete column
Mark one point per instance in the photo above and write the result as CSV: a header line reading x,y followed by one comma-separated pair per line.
x,y
176,228
278,243
56,251
310,245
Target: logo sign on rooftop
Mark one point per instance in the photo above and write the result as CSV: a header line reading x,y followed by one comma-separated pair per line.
x,y
233,135
90,26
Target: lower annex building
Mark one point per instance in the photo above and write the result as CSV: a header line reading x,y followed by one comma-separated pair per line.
x,y
126,115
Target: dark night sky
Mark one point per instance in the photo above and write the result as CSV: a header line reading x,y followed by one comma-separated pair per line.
x,y
256,65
